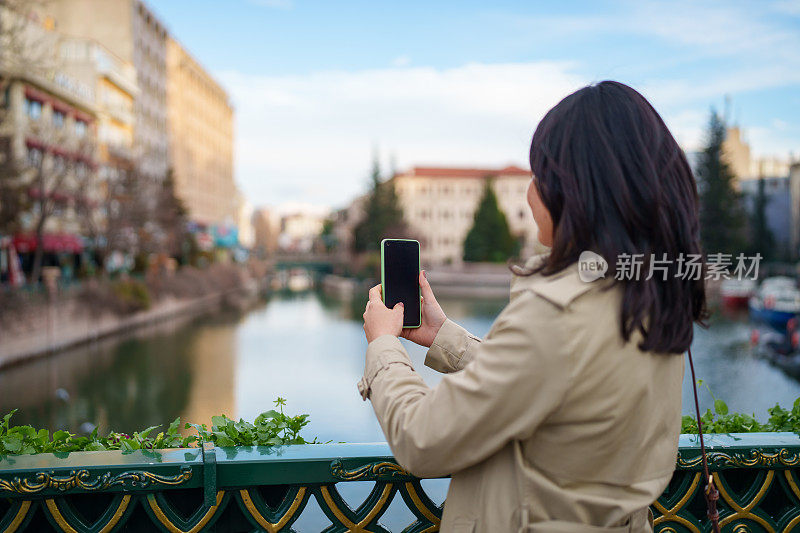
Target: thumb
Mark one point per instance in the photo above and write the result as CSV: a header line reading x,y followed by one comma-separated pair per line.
x,y
427,292
398,307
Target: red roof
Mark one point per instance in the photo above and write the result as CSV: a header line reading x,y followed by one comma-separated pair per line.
x,y
455,172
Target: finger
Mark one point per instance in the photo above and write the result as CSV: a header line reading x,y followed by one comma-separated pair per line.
x,y
398,308
375,293
427,292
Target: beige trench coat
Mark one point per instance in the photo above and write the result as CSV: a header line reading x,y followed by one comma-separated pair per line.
x,y
551,416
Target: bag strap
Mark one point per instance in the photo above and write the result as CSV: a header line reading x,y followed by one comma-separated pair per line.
x,y
710,492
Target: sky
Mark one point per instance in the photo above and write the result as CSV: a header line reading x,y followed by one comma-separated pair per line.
x,y
319,87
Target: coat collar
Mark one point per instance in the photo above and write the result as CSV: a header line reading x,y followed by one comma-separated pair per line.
x,y
560,288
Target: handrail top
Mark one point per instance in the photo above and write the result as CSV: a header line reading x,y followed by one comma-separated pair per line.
x,y
103,459
324,453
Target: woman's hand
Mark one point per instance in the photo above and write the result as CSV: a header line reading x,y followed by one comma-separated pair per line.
x,y
379,319
432,317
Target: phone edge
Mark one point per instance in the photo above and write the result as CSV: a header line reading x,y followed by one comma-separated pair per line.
x,y
419,270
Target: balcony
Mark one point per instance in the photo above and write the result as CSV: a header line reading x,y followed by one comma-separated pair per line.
x,y
269,489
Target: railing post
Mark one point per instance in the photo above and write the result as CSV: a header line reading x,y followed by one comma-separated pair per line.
x,y
209,474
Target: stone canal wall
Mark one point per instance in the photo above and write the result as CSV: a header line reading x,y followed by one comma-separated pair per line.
x,y
35,324
66,323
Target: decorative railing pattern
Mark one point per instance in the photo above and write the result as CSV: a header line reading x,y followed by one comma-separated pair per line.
x,y
271,489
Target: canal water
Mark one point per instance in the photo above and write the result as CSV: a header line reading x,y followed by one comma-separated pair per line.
x,y
309,349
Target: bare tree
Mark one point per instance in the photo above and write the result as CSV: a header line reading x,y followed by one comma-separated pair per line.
x,y
22,48
57,179
23,52
125,212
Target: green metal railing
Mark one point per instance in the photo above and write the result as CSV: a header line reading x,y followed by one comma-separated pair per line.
x,y
275,489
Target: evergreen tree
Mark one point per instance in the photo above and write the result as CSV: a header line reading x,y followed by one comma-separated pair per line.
x,y
721,215
761,238
490,238
171,216
383,217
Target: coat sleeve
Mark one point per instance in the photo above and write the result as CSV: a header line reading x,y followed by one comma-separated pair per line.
x,y
452,348
518,376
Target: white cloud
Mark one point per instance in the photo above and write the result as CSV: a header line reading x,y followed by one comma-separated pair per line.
x,y
309,138
401,61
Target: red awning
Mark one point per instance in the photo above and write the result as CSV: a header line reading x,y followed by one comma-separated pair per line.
x,y
52,242
25,243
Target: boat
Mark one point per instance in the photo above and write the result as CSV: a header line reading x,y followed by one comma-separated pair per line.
x,y
775,302
780,349
736,293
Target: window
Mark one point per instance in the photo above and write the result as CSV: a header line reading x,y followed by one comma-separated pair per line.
x,y
58,118
59,164
33,108
34,157
80,128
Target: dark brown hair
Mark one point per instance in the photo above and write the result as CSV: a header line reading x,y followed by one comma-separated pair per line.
x,y
616,182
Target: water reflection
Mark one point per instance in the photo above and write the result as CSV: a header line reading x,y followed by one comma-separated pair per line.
x,y
126,385
309,349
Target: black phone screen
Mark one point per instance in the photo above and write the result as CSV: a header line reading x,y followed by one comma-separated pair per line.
x,y
401,278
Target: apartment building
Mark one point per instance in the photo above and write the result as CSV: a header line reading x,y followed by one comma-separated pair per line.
x,y
116,90
200,125
439,204
132,34
266,228
47,136
736,151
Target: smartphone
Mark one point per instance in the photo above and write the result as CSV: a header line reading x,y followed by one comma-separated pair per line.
x,y
400,267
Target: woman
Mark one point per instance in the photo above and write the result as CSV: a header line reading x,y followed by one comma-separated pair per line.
x,y
566,416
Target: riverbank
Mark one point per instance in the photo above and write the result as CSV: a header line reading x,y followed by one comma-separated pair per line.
x,y
470,280
34,325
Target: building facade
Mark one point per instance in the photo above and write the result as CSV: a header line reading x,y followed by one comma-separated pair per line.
x,y
777,208
794,193
300,229
266,229
737,153
116,90
439,204
200,125
47,140
133,35
244,222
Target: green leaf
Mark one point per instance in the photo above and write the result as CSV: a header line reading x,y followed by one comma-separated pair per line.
x,y
12,443
219,421
271,428
147,431
7,417
720,407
